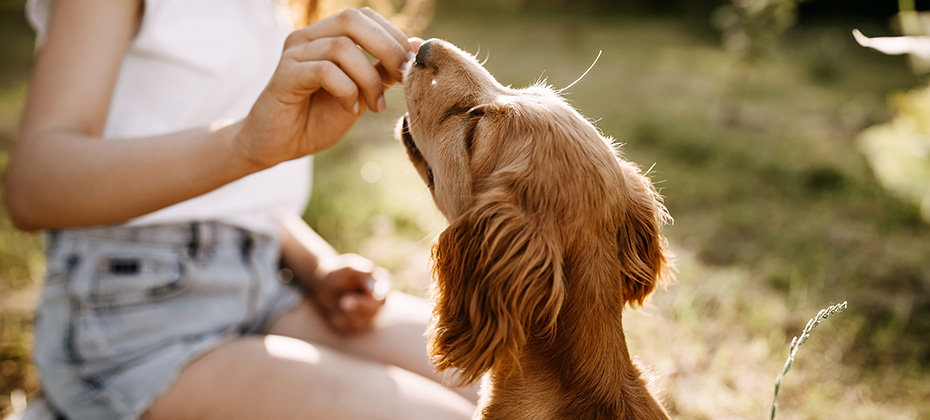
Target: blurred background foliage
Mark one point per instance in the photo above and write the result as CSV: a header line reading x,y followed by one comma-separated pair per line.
x,y
899,151
762,121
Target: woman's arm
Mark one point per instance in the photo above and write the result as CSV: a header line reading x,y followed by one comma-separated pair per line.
x,y
63,174
302,250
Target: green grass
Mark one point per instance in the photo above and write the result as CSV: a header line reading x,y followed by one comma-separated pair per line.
x,y
776,212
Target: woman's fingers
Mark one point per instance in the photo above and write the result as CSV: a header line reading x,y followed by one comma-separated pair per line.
x,y
306,77
345,54
415,43
377,36
357,312
354,293
353,310
394,31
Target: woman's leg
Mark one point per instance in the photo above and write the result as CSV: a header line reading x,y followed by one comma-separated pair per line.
x,y
398,337
284,378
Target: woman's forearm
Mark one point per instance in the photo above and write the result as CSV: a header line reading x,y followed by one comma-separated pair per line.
x,y
302,250
65,179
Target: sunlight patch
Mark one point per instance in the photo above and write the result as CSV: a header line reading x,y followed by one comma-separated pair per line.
x,y
371,172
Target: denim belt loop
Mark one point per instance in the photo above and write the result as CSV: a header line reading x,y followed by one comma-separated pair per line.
x,y
193,243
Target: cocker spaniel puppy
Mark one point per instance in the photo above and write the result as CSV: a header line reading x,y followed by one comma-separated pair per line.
x,y
551,234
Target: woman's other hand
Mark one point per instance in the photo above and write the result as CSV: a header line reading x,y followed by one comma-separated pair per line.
x,y
350,291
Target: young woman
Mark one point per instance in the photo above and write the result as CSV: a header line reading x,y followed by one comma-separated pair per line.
x,y
164,150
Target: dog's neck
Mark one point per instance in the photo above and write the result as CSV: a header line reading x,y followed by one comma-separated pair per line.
x,y
584,371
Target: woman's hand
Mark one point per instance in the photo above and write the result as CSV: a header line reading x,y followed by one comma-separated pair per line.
x,y
349,292
323,82
347,289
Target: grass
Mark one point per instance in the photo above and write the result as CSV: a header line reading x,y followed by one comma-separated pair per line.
x,y
20,254
796,342
777,214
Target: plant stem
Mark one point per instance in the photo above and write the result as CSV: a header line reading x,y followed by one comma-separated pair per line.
x,y
796,343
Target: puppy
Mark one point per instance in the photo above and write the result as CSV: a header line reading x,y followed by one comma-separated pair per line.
x,y
551,234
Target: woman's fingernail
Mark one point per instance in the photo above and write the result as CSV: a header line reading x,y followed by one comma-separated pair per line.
x,y
382,105
348,303
379,289
355,107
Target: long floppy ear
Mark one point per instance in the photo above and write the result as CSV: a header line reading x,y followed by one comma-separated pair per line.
x,y
644,257
497,281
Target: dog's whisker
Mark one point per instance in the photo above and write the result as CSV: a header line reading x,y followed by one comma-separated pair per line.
x,y
648,171
411,120
541,80
582,75
486,56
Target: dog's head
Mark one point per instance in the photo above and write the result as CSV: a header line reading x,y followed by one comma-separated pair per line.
x,y
534,195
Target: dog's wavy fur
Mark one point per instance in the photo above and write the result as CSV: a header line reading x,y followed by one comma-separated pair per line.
x,y
551,235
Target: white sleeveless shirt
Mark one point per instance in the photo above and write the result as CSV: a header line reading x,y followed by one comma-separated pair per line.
x,y
197,63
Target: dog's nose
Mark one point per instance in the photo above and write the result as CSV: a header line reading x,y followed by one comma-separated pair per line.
x,y
423,52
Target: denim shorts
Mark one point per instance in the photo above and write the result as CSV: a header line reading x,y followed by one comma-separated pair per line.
x,y
125,308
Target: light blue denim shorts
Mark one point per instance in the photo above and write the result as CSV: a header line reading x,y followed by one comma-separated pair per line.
x,y
124,309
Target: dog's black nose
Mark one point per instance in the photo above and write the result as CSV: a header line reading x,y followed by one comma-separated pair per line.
x,y
423,52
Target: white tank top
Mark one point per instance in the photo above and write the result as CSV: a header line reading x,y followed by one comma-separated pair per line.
x,y
195,64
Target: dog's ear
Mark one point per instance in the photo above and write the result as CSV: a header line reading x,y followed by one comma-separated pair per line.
x,y
644,257
498,280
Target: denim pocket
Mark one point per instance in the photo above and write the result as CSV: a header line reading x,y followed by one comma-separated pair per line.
x,y
120,279
121,298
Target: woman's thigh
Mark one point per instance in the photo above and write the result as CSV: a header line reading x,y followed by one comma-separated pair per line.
x,y
397,338
285,378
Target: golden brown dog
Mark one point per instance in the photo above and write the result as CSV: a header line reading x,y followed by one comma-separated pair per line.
x,y
551,234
